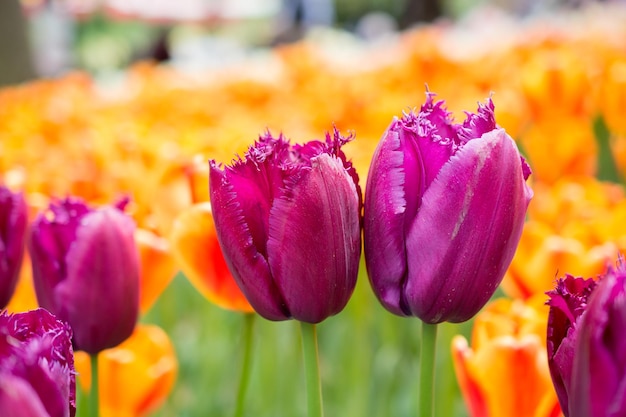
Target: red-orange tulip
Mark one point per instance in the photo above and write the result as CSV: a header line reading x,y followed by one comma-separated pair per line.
x,y
195,247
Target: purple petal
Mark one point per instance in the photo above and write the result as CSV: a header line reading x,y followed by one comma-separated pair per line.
x,y
456,261
100,295
13,222
314,243
598,373
52,233
242,254
567,303
36,348
18,399
384,216
479,123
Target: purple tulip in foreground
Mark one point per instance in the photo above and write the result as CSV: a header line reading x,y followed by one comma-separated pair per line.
x,y
586,344
288,222
86,271
37,376
444,210
13,221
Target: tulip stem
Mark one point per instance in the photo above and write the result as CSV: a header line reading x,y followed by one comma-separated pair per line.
x,y
248,330
427,370
94,399
312,370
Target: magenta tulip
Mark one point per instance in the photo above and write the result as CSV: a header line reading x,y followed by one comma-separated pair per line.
x,y
86,271
37,375
13,221
444,210
288,222
586,344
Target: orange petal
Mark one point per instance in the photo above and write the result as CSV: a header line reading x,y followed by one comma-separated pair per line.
x,y
195,247
472,394
135,377
157,267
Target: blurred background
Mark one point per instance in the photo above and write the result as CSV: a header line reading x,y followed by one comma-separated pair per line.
x,y
111,97
42,38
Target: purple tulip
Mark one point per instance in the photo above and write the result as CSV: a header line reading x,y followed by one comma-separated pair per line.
x,y
37,376
567,303
86,271
13,221
288,222
586,344
444,210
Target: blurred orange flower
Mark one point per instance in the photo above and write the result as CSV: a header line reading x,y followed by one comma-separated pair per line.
x,y
575,226
135,377
505,372
195,247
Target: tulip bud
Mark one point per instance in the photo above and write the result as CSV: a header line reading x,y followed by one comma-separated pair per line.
x,y
13,221
86,271
288,222
37,376
444,210
586,348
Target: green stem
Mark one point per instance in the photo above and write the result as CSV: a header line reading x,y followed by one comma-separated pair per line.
x,y
312,370
94,399
427,370
248,330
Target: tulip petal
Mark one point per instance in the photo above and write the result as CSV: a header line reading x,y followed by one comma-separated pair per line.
x,y
246,261
460,258
19,399
305,264
597,367
470,388
384,214
110,297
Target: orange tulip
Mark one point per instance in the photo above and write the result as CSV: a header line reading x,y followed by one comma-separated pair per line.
x,y
180,185
505,372
157,267
135,377
195,247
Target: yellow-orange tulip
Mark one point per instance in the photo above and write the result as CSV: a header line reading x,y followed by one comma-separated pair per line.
x,y
195,247
135,377
505,372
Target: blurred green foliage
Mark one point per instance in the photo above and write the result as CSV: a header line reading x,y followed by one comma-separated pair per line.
x,y
369,360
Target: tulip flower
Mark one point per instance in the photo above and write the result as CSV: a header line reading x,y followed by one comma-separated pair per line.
x,y
505,372
288,222
13,221
586,350
567,303
37,376
135,377
444,210
86,271
195,247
